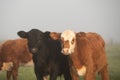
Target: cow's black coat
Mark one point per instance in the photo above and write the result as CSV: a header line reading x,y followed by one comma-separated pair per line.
x,y
47,56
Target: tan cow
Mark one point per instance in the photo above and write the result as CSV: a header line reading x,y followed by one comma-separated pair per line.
x,y
12,53
86,52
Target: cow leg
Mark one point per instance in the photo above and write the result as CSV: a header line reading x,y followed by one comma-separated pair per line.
x,y
38,74
9,73
74,76
42,78
90,73
67,76
15,74
15,70
104,73
90,76
39,77
0,65
53,76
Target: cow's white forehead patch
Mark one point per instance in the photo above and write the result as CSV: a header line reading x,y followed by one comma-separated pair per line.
x,y
68,35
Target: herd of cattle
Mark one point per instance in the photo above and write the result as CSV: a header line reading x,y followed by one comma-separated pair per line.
x,y
67,53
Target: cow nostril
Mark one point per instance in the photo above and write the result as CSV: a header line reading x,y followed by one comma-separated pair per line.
x,y
65,51
34,50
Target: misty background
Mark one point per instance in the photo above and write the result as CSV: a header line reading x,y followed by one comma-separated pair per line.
x,y
100,16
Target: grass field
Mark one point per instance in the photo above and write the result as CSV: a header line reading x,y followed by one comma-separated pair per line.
x,y
113,54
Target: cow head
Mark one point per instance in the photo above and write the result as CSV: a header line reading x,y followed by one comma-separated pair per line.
x,y
68,40
35,39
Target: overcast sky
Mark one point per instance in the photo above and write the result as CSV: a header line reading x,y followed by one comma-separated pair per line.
x,y
100,16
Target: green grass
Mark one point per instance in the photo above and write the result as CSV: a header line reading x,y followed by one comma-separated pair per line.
x,y
25,73
113,55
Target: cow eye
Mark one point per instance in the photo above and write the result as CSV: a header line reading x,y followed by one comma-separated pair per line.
x,y
72,42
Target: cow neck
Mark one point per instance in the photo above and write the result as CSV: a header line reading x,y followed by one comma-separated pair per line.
x,y
75,58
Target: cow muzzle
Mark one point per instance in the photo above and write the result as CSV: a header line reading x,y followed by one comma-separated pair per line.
x,y
66,51
34,50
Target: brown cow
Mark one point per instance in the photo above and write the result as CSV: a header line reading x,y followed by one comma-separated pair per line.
x,y
12,53
86,54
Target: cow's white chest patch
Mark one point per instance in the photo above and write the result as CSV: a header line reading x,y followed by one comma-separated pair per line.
x,y
81,71
7,66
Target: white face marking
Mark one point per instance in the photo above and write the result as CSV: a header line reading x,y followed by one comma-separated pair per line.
x,y
69,36
7,66
81,71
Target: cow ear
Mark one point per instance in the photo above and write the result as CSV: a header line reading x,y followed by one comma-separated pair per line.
x,y
80,34
22,34
47,34
55,36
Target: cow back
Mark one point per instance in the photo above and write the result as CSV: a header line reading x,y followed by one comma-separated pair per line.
x,y
15,50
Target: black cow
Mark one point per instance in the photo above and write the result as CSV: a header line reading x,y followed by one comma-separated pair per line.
x,y
47,56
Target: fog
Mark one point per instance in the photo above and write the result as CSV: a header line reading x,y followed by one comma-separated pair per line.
x,y
100,16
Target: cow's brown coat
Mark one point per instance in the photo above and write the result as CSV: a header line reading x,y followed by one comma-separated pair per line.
x,y
89,52
15,52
